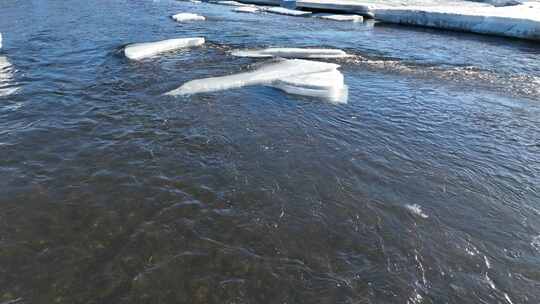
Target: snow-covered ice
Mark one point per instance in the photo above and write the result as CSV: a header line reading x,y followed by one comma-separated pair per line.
x,y
183,17
265,74
229,3
246,9
286,11
328,85
300,53
337,17
519,21
138,51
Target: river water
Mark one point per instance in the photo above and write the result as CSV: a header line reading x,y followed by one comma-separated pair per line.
x,y
423,188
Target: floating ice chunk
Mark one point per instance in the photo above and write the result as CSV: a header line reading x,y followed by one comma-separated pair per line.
x,y
286,11
348,6
183,17
353,18
195,1
229,3
265,74
300,53
138,51
520,21
416,210
328,85
246,9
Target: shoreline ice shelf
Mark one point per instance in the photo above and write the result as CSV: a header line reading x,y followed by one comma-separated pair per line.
x,y
515,21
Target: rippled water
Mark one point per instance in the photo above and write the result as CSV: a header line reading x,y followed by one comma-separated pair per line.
x,y
424,188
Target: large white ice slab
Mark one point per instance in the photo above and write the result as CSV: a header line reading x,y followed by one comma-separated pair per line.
x,y
348,6
228,3
286,11
335,17
247,9
329,85
520,21
138,51
183,17
299,53
265,74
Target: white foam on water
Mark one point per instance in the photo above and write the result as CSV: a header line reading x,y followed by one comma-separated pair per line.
x,y
300,53
7,87
265,74
139,51
336,17
246,9
286,11
328,85
416,210
536,242
183,17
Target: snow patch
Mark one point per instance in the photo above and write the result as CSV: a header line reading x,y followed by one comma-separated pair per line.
x,y
183,17
286,11
139,51
299,53
416,210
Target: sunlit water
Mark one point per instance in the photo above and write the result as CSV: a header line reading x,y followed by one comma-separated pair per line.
x,y
423,188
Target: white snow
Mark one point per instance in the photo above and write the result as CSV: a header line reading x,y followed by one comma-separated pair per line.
x,y
520,21
183,17
246,9
300,53
138,51
335,17
265,74
329,85
286,11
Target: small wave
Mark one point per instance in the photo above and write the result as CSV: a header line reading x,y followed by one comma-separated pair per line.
x,y
536,242
416,210
6,78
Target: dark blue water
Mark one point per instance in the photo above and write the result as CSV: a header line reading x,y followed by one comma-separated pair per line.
x,y
423,188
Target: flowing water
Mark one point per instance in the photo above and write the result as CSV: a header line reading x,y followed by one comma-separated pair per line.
x,y
423,188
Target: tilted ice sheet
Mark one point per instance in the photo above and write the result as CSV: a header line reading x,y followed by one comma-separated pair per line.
x,y
338,17
183,17
139,51
328,85
300,53
520,21
286,11
246,9
265,74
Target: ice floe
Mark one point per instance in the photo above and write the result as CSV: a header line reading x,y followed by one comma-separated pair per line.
x,y
328,85
520,21
416,210
279,73
286,11
139,51
246,9
183,17
299,53
229,3
336,17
